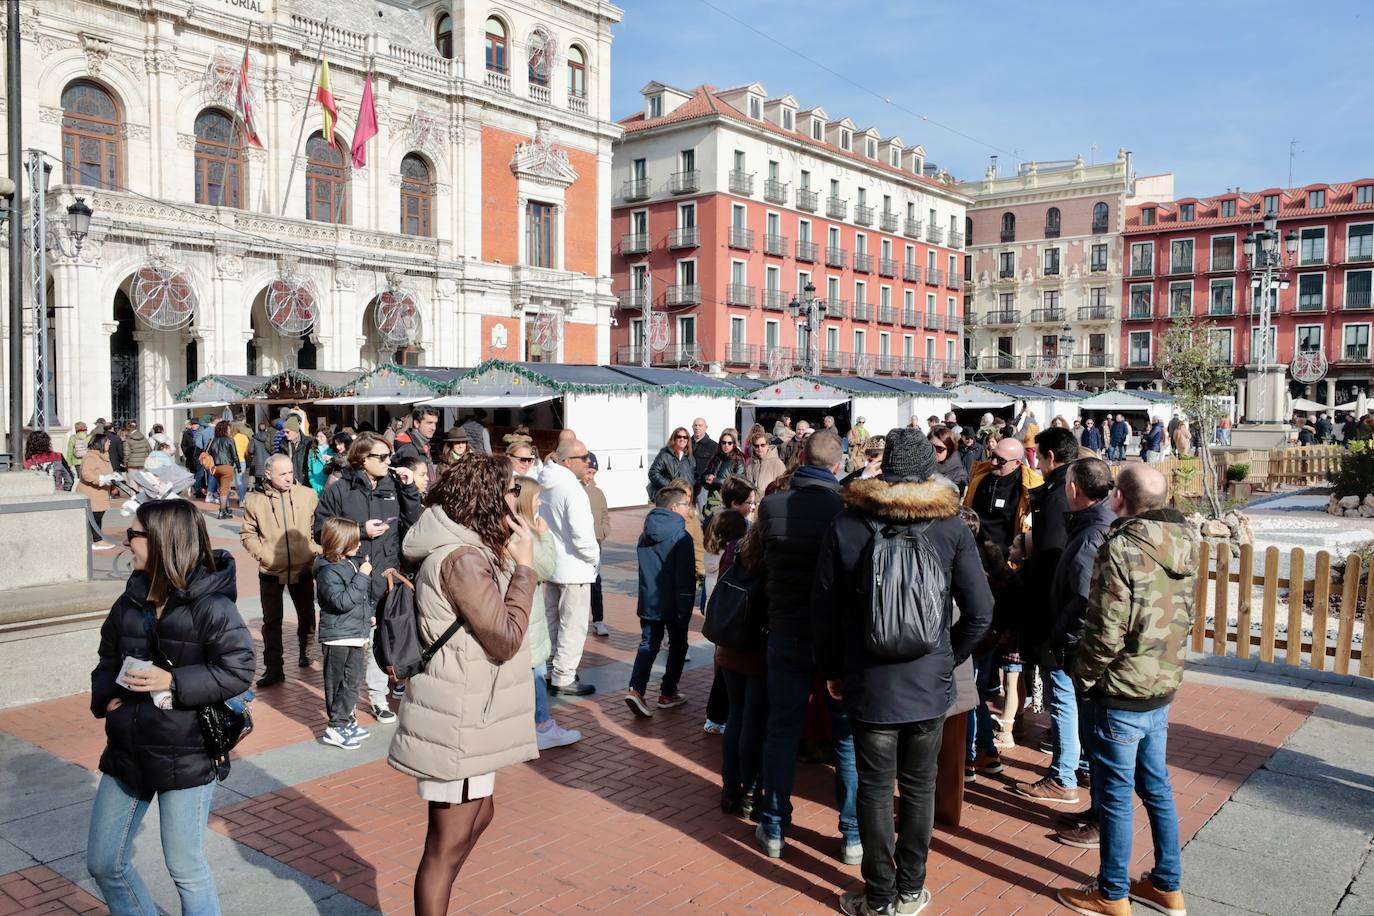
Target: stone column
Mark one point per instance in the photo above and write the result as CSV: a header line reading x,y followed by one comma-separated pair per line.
x,y
1330,395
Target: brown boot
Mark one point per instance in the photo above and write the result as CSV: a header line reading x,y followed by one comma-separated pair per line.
x,y
1170,903
1089,901
1048,791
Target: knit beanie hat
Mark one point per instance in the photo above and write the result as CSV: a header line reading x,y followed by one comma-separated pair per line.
x,y
292,422
908,455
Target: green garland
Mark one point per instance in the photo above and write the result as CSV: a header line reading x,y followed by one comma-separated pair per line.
x,y
626,388
403,372
302,376
185,393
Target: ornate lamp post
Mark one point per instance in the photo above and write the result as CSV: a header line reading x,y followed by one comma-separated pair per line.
x,y
1268,262
813,310
1066,350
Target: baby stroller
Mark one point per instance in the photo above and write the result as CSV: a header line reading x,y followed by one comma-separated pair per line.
x,y
142,486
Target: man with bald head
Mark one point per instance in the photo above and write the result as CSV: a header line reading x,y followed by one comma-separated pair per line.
x,y
277,522
568,593
1128,665
999,491
703,450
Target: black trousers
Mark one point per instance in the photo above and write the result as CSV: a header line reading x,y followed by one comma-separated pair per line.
x,y
343,673
718,702
302,599
905,754
598,603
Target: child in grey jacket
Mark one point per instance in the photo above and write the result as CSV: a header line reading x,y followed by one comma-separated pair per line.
x,y
343,587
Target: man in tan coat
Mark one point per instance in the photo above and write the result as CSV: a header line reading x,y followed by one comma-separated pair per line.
x,y
277,522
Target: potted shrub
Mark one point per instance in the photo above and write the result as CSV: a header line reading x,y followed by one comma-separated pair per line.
x,y
1235,480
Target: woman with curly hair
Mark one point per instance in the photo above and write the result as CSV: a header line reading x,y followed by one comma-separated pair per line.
x,y
471,711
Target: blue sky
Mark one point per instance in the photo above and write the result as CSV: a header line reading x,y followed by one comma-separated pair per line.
x,y
1212,90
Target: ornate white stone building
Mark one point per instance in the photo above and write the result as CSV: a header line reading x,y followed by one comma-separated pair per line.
x,y
479,226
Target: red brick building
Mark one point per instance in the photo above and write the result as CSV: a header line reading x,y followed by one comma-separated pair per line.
x,y
1188,257
728,203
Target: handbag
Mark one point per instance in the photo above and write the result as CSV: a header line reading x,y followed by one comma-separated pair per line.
x,y
736,612
206,461
222,725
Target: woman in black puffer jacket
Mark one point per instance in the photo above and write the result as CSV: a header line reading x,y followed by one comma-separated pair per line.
x,y
203,655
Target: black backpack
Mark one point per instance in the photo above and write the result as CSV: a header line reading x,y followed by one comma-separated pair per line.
x,y
907,591
736,613
396,645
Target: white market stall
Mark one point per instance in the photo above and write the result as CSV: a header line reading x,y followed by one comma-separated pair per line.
x,y
391,391
216,393
917,400
1134,404
679,396
846,397
1004,401
608,411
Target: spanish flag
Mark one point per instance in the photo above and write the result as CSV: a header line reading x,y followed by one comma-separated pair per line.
x,y
325,96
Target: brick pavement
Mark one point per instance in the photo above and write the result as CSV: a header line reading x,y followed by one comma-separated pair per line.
x,y
42,890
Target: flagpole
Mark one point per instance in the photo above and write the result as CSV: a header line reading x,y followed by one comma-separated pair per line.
x,y
233,132
305,113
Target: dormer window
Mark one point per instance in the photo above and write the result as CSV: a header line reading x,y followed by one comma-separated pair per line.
x,y
817,129
1186,212
656,106
1228,207
755,107
872,149
1271,203
1147,216
846,140
1316,200
787,119
1364,194
894,159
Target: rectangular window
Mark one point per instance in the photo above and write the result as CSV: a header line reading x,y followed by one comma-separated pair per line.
x,y
1308,338
1006,265
1181,256
773,222
1316,200
860,342
639,222
863,196
1051,262
860,292
804,230
639,169
1098,263
1312,246
736,333
1255,345
930,350
639,277
1142,304
686,216
770,334
834,237
655,104
834,187
771,277
787,119
737,273
687,160
1186,211
1147,216
739,160
1311,292
884,345
1356,342
909,300
1228,208
687,273
805,180
832,289
637,334
1359,243
687,331
1221,340
755,107
885,249
817,129
1142,259
1223,297
949,353
1097,299
1180,299
1271,203
773,170
1140,348
908,345
885,296
930,305
539,234
1223,252
832,339
738,216
1357,288
1364,194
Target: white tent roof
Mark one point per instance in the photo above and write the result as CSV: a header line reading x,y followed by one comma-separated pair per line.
x,y
367,401
493,401
793,402
191,405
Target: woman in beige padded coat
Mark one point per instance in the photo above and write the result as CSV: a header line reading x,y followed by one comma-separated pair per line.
x,y
471,712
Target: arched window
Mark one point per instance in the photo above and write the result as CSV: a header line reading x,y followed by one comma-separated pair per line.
x,y
1099,217
417,196
326,180
443,35
92,150
1008,227
1052,223
577,73
496,46
214,131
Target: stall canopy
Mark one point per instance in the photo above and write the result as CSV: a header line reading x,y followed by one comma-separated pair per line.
x,y
543,381
397,385
1123,400
305,386
678,397
683,381
216,391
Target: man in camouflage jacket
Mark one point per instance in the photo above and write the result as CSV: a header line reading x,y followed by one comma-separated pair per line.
x,y
1128,665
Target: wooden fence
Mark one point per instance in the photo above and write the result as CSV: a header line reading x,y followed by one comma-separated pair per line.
x,y
1303,465
1213,592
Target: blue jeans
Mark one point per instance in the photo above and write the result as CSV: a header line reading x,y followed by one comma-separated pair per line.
x,y
651,633
791,674
1128,755
743,745
1067,758
541,695
239,482
115,819
980,732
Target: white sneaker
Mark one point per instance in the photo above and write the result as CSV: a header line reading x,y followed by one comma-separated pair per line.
x,y
600,629
340,739
555,736
713,728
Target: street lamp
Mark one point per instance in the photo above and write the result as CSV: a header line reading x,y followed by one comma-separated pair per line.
x,y
1267,263
813,310
1066,349
79,220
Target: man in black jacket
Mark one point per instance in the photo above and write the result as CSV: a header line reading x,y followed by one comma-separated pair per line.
x,y
897,708
294,446
414,442
703,450
1049,512
793,523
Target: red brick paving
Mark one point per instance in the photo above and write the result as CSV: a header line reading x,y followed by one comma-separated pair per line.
x,y
42,890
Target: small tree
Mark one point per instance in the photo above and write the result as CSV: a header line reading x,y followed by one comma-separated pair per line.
x,y
1198,380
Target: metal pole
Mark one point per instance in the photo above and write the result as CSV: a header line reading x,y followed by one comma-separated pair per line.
x,y
233,135
16,230
38,266
305,113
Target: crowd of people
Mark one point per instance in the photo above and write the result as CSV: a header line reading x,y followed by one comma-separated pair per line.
x,y
879,587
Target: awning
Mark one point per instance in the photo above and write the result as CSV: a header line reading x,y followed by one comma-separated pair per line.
x,y
1309,406
794,402
490,401
191,405
370,401
979,403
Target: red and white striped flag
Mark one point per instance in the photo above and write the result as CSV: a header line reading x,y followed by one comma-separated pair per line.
x,y
243,104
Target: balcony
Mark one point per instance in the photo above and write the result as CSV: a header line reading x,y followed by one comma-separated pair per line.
x,y
1047,316
686,182
995,318
887,267
741,238
836,257
1355,353
782,358
1181,268
1309,306
887,365
1006,273
863,262
934,276
1140,311
954,281
578,103
1357,299
1099,226
1002,361
970,319
776,299
540,94
1142,269
1223,265
1221,309
684,237
741,354
634,243
834,360
775,245
631,355
682,294
836,208
887,314
806,251
1312,258
956,239
863,311
808,200
911,272
887,221
739,294
863,215
911,228
1140,360
1094,361
1096,313
913,365
837,308
1049,272
633,298
911,318
934,234
1008,235
1359,254
498,81
774,191
741,183
635,189
679,356
1098,267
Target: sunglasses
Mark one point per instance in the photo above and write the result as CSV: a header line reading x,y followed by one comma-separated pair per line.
x,y
997,461
380,456
727,442
940,449
514,490
682,436
132,533
523,459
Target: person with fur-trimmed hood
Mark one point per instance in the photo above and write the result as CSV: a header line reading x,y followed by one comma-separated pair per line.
x,y
897,708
